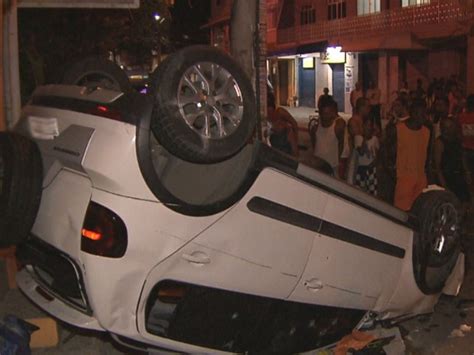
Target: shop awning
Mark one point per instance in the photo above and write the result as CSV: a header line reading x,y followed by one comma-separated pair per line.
x,y
316,47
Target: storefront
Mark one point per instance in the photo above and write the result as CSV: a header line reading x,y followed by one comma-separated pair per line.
x,y
300,79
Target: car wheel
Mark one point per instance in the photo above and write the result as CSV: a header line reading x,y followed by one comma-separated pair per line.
x,y
21,177
437,245
204,109
95,72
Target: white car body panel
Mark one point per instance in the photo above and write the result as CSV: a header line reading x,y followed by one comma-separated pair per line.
x,y
63,200
235,249
55,307
259,240
366,278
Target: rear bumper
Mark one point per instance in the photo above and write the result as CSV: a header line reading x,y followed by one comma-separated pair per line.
x,y
52,305
54,282
56,272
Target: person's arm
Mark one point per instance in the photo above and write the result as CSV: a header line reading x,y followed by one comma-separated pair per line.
x,y
357,134
292,129
355,127
430,155
467,171
287,117
389,150
339,130
438,156
293,140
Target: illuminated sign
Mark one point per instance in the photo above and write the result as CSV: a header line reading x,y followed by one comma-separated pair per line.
x,y
308,63
333,55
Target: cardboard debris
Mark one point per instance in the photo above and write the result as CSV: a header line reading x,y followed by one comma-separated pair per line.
x,y
357,340
456,333
47,336
390,340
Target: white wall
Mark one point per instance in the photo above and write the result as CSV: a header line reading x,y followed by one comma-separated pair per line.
x,y
352,65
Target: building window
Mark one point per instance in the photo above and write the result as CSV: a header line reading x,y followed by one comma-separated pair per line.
x,y
406,3
308,15
366,7
336,9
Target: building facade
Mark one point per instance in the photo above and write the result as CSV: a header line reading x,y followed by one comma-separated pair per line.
x,y
314,44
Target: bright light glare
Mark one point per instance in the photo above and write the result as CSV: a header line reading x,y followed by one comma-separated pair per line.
x,y
334,49
157,17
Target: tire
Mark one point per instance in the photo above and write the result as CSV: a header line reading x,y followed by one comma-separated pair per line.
x,y
437,245
21,177
220,91
94,72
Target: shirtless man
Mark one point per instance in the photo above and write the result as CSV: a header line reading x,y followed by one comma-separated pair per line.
x,y
284,127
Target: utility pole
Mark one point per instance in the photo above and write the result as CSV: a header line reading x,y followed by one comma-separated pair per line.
x,y
248,33
10,65
261,64
3,123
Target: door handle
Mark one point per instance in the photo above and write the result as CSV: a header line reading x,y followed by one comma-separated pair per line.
x,y
313,285
197,257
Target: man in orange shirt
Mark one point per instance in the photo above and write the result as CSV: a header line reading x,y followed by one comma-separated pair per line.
x,y
466,121
409,140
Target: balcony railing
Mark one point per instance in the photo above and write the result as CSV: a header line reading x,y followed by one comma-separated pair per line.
x,y
388,21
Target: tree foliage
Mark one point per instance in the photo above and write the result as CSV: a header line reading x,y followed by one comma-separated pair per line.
x,y
51,39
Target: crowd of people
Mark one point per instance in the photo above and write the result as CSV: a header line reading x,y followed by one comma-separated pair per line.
x,y
426,137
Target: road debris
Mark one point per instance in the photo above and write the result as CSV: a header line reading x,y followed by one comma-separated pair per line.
x,y
456,333
357,340
461,331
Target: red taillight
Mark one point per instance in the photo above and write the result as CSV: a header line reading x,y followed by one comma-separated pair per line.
x,y
103,232
106,112
91,234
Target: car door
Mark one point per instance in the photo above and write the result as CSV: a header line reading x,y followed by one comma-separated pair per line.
x,y
356,258
261,245
265,230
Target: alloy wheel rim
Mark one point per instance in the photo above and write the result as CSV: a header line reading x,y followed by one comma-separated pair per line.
x,y
210,101
444,232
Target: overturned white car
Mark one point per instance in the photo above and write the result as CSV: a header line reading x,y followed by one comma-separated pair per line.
x,y
156,219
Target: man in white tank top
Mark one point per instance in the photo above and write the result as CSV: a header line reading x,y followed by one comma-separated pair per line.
x,y
329,136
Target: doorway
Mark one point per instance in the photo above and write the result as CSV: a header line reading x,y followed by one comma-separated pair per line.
x,y
283,71
306,75
338,85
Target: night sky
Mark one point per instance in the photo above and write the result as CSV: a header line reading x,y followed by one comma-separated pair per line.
x,y
188,18
51,39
